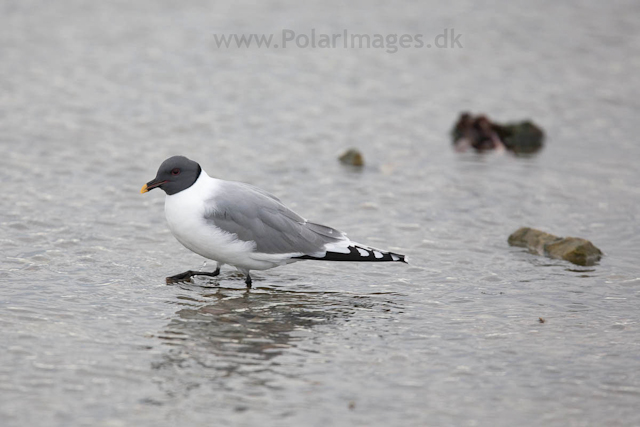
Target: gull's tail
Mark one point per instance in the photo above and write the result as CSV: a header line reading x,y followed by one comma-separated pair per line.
x,y
355,252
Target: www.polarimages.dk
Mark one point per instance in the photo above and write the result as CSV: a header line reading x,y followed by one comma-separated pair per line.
x,y
447,39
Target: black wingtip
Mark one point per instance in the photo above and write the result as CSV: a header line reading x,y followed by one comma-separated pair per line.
x,y
359,253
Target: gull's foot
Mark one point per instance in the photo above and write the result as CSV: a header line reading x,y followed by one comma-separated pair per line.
x,y
187,275
182,277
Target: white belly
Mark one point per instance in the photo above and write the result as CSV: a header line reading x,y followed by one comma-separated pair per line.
x,y
185,213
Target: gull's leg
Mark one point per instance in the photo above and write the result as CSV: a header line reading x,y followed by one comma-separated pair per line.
x,y
206,273
247,280
187,275
182,277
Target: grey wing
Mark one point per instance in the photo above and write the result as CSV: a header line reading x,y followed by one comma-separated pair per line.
x,y
255,215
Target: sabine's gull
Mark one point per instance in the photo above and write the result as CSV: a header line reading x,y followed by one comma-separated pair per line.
x,y
243,226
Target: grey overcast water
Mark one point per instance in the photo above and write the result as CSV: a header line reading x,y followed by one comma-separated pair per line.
x,y
95,95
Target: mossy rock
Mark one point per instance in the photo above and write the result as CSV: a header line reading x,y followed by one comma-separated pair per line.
x,y
352,157
532,239
521,138
573,249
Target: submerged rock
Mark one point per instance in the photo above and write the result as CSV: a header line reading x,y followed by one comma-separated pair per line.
x,y
573,249
521,138
533,239
352,157
482,134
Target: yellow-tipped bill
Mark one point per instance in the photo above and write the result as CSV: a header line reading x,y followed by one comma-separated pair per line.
x,y
144,189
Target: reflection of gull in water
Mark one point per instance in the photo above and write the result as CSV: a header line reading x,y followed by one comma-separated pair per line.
x,y
256,325
231,339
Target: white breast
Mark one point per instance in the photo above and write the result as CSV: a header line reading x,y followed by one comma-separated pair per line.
x,y
185,213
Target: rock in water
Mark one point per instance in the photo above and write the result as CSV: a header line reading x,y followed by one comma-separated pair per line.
x,y
352,157
475,132
521,138
482,134
572,249
532,239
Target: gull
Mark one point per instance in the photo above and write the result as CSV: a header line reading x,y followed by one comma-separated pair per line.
x,y
244,226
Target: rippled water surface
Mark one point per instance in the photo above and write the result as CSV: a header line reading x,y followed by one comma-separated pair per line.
x,y
94,95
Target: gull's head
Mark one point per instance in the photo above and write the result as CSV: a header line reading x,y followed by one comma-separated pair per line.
x,y
175,174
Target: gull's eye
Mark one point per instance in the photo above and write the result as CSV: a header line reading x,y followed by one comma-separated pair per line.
x,y
175,171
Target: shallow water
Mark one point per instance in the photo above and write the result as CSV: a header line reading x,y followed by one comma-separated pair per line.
x,y
93,96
